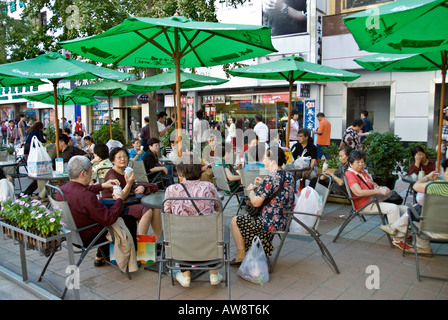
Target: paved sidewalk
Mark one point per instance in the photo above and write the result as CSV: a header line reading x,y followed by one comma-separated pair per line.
x,y
301,272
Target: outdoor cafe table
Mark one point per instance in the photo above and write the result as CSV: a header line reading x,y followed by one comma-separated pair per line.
x,y
294,171
4,164
54,176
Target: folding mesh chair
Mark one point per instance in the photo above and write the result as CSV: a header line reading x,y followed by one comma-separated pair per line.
x,y
69,224
432,222
223,185
358,212
194,242
311,231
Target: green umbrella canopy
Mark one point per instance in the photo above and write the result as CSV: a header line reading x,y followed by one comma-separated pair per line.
x,y
174,42
7,81
55,67
153,42
64,98
109,89
294,69
167,80
402,26
428,61
412,62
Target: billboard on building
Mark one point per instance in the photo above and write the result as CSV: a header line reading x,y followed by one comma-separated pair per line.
x,y
285,16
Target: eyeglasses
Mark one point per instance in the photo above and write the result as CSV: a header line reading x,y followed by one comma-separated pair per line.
x,y
123,158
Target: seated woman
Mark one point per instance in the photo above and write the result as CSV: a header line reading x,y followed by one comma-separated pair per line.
x,y
400,226
338,188
136,153
152,164
35,130
189,172
421,161
253,158
146,218
273,216
100,160
208,155
362,185
226,162
90,146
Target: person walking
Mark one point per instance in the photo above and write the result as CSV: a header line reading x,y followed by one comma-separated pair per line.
x,y
323,135
294,128
368,126
200,128
261,130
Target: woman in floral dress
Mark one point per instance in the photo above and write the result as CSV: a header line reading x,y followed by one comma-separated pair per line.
x,y
273,216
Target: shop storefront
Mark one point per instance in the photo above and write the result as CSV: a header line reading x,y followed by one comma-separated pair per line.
x,y
273,106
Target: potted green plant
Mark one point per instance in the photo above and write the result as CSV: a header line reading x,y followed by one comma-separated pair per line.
x,y
385,155
333,158
102,135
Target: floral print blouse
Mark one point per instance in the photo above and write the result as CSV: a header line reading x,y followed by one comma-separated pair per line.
x,y
196,189
274,218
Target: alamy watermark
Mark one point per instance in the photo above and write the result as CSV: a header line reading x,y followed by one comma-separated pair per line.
x,y
373,280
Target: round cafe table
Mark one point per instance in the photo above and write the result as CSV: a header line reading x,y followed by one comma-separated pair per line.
x,y
411,179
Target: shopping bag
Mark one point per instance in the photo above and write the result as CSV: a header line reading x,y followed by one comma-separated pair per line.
x,y
146,249
302,161
254,267
6,190
39,162
309,201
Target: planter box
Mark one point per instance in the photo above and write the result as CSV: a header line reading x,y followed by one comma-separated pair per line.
x,y
32,239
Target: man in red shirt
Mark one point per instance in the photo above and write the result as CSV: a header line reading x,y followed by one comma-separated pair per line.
x,y
85,207
323,135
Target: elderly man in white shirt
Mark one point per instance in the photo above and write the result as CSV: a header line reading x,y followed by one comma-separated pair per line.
x,y
261,130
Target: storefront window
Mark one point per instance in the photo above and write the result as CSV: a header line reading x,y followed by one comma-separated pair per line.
x,y
349,5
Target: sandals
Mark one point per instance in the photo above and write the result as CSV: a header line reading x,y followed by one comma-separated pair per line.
x,y
235,263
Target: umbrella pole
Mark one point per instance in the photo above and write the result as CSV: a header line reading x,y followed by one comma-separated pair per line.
x,y
56,125
178,97
110,117
442,105
288,127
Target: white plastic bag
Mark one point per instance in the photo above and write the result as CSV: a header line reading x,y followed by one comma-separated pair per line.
x,y
39,162
6,190
309,201
254,267
302,161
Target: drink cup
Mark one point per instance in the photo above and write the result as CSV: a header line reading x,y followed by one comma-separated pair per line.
x,y
128,171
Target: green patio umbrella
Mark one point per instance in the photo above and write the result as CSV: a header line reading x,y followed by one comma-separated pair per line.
x,y
294,69
64,98
7,81
174,42
167,80
428,61
402,26
56,67
109,89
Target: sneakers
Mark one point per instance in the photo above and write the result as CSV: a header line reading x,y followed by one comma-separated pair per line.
x,y
388,229
183,280
400,245
215,279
